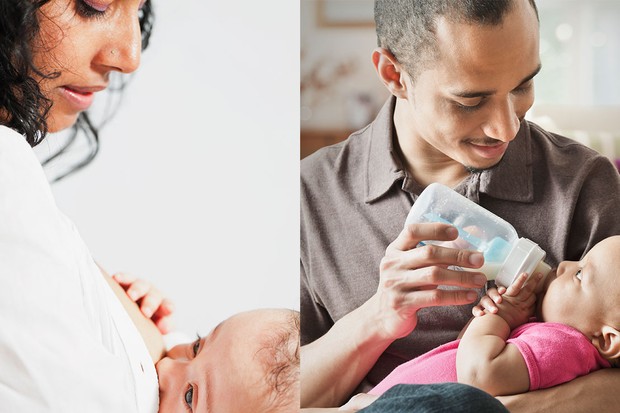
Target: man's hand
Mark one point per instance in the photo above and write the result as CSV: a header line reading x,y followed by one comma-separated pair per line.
x,y
410,277
335,364
150,300
358,402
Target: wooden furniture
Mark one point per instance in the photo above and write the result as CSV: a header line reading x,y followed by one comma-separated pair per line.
x,y
313,139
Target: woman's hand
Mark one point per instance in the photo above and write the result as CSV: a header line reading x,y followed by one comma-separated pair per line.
x,y
149,299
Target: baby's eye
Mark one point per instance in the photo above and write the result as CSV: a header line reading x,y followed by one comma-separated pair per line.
x,y
196,346
189,396
578,274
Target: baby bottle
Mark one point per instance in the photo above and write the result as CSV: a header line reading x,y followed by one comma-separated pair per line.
x,y
506,255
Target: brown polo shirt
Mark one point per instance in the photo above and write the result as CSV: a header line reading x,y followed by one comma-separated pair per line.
x,y
355,197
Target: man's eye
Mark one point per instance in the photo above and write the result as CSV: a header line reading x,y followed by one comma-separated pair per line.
x,y
469,108
578,274
189,396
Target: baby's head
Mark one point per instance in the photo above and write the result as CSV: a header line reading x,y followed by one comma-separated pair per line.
x,y
586,295
249,362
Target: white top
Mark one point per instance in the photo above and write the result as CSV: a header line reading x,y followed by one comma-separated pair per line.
x,y
66,343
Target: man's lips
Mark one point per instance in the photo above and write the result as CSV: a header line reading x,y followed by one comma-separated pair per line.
x,y
491,151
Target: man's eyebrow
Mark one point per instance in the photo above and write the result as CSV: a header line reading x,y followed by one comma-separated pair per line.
x,y
531,75
484,93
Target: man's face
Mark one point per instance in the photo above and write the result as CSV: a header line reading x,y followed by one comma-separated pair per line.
x,y
467,105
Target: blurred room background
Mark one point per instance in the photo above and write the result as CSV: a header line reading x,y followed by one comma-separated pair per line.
x,y
577,91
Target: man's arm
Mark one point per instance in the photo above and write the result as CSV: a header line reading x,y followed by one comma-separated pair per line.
x,y
595,392
334,365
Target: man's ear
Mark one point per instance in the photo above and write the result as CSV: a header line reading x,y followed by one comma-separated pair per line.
x,y
607,342
390,72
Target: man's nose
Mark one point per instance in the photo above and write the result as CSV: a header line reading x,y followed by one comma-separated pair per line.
x,y
503,123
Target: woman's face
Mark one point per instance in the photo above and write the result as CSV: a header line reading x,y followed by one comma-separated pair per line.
x,y
84,41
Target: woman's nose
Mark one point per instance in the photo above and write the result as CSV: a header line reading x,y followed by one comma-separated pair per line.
x,y
123,48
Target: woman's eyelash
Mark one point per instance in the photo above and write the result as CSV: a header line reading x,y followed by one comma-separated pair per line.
x,y
578,274
87,10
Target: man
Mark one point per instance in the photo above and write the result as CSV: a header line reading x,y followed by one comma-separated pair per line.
x,y
461,78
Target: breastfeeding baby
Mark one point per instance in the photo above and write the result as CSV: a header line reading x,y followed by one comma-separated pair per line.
x,y
249,362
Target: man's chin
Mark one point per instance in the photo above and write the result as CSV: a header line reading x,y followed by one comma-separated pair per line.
x,y
481,167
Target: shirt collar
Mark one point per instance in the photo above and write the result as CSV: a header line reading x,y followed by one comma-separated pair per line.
x,y
511,179
384,166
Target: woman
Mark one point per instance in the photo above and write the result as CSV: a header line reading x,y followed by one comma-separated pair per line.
x,y
55,55
67,344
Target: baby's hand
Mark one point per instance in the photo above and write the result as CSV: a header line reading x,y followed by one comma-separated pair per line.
x,y
151,302
515,304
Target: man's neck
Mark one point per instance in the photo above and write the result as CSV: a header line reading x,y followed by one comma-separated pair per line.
x,y
423,162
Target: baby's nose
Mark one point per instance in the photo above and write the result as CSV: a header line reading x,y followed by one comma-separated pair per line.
x,y
164,368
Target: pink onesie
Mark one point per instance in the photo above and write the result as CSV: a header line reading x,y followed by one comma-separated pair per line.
x,y
554,353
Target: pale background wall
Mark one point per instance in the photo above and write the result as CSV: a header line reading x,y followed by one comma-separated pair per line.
x,y
196,184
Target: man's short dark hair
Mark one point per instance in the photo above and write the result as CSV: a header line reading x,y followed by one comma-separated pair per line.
x,y
407,27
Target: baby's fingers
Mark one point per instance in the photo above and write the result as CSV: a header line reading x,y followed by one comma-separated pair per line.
x,y
138,289
486,304
123,279
514,288
496,294
524,285
151,302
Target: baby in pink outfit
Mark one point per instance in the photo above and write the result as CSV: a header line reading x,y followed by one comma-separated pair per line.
x,y
502,352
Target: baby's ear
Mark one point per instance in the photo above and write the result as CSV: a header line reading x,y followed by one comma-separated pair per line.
x,y
608,342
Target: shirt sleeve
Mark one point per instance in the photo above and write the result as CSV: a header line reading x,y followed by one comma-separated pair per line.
x,y
315,321
555,353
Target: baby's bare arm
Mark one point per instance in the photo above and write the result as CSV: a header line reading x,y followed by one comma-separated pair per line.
x,y
484,359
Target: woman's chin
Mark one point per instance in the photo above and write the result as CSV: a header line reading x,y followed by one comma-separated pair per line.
x,y
57,122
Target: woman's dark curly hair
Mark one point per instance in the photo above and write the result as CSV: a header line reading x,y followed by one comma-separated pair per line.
x,y
23,107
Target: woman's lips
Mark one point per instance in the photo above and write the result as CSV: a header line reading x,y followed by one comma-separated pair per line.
x,y
80,98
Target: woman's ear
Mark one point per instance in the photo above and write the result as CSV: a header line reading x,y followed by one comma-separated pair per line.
x,y
390,72
607,342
